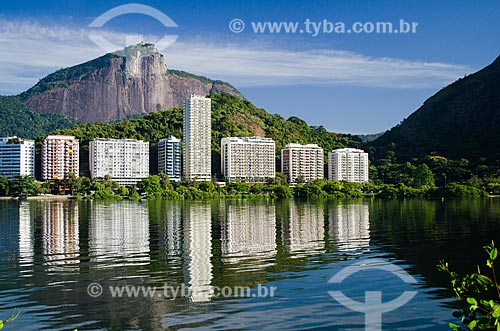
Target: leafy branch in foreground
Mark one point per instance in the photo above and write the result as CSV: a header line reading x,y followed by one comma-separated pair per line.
x,y
13,315
479,295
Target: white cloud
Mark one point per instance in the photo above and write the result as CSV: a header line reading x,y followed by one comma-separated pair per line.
x,y
251,67
30,50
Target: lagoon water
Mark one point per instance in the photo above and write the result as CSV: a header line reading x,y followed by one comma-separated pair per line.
x,y
50,251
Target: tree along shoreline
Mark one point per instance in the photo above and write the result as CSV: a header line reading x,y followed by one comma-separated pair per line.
x,y
160,186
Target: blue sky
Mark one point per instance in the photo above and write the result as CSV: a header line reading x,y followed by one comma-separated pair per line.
x,y
358,83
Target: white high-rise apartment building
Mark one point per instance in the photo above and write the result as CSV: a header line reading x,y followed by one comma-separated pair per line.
x,y
60,156
348,164
304,161
169,157
249,159
197,138
125,160
17,157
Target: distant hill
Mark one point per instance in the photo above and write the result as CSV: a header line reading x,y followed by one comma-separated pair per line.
x,y
460,121
369,137
17,119
231,116
130,82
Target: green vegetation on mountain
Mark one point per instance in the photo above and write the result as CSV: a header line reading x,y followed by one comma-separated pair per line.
x,y
231,116
17,119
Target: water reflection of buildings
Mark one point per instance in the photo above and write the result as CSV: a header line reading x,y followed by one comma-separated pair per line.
x,y
60,239
171,227
249,233
349,226
26,234
119,231
17,232
198,250
304,229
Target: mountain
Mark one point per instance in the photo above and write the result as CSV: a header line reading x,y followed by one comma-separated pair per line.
x,y
460,121
231,116
118,85
17,119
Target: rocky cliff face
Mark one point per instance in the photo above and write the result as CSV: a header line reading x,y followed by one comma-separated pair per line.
x,y
123,84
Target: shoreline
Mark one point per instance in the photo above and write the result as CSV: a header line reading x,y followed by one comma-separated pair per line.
x,y
39,197
49,197
54,197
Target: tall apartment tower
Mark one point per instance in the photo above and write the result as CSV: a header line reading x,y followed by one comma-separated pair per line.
x,y
348,164
17,157
197,163
302,161
250,159
125,160
60,156
169,157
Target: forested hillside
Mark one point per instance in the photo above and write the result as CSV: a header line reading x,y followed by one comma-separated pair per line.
x,y
17,119
231,116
